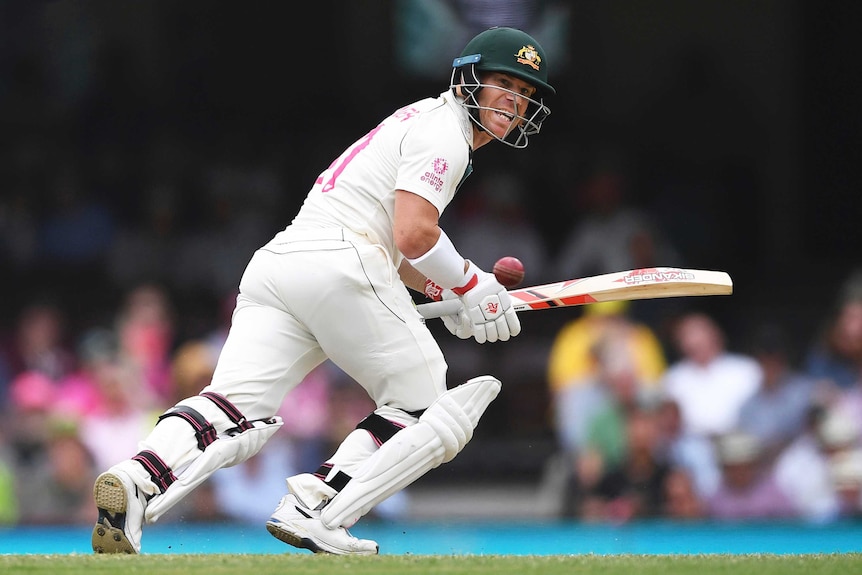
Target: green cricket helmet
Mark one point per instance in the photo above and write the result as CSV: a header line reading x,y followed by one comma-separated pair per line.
x,y
508,51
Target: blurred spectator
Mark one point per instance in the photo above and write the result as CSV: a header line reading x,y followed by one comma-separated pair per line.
x,y
634,489
802,469
58,489
605,401
78,393
846,401
27,421
601,364
107,397
748,489
610,234
690,453
846,472
681,498
709,383
836,354
53,469
592,422
145,327
777,413
572,361
112,430
192,366
39,343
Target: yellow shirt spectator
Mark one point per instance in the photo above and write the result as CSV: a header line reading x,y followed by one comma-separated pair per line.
x,y
571,360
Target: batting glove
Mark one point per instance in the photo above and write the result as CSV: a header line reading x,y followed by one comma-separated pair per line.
x,y
458,324
488,306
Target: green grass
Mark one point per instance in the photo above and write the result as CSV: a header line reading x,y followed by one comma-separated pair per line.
x,y
293,564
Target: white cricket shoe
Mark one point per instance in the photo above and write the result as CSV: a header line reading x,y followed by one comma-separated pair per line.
x,y
121,513
301,527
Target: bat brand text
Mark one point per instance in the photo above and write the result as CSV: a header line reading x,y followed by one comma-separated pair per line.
x,y
658,277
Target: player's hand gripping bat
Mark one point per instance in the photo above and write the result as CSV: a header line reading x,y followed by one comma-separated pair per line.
x,y
646,283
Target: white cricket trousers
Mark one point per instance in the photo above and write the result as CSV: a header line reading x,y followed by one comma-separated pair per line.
x,y
310,295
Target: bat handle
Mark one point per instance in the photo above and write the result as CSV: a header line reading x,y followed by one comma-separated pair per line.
x,y
439,308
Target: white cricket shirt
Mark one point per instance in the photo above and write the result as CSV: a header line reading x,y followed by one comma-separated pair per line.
x,y
423,148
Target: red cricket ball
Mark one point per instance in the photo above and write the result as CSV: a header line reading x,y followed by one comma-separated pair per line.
x,y
509,271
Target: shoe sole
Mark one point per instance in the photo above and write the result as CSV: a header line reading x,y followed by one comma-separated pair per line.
x,y
110,497
294,539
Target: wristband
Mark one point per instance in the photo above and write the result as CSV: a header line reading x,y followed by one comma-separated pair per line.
x,y
433,291
442,264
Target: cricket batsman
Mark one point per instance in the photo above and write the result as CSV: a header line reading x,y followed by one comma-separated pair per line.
x,y
334,284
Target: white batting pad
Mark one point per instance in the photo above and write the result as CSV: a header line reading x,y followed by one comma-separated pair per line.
x,y
441,433
226,451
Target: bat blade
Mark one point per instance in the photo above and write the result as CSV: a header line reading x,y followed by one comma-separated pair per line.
x,y
645,283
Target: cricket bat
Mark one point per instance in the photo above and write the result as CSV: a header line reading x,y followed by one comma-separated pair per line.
x,y
645,283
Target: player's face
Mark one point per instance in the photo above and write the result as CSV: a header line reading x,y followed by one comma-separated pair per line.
x,y
502,100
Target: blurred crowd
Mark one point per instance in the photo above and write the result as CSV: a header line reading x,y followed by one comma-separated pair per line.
x,y
754,432
653,412
74,406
